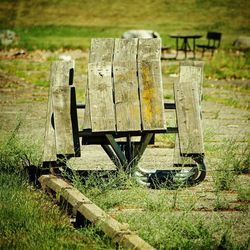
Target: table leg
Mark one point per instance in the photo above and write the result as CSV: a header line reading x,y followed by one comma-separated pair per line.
x,y
128,148
117,150
177,47
194,47
145,139
128,156
185,46
112,156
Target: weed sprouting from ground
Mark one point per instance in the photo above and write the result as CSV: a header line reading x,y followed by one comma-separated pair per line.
x,y
184,230
220,202
95,183
224,179
166,223
168,219
28,220
242,163
17,153
234,159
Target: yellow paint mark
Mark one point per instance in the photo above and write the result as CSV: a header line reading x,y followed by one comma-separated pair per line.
x,y
148,92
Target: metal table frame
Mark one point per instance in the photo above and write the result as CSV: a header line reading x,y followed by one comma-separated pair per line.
x,y
185,46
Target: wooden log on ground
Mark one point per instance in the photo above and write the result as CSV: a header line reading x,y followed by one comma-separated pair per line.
x,y
81,204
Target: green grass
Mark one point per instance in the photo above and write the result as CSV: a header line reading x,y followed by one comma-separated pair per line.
x,y
181,218
225,64
228,64
54,37
28,219
232,102
33,72
71,26
53,24
167,219
37,71
180,231
234,159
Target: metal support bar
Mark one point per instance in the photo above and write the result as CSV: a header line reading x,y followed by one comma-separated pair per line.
x,y
201,167
74,121
81,105
172,130
168,105
128,148
111,155
117,150
145,139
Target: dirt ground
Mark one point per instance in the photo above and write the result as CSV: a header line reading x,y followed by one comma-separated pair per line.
x,y
24,103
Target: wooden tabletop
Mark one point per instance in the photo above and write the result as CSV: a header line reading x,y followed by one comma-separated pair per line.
x,y
124,91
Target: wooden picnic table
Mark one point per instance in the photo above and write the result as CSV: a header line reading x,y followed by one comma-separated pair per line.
x,y
124,96
124,106
185,46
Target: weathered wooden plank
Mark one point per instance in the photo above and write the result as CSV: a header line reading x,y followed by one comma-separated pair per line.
x,y
81,204
49,149
187,98
192,71
87,119
150,84
59,76
127,105
181,161
101,50
63,127
117,150
61,73
101,97
100,85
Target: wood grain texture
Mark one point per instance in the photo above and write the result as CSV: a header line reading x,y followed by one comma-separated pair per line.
x,y
124,89
181,161
150,84
100,86
49,148
127,104
188,98
59,76
87,118
63,127
101,50
192,71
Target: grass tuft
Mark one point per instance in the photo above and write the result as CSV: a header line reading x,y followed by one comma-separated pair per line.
x,y
234,160
28,219
16,154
